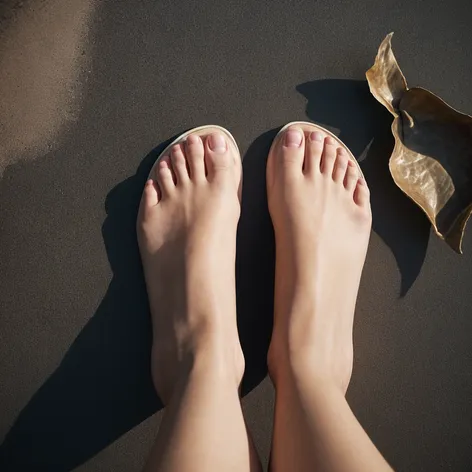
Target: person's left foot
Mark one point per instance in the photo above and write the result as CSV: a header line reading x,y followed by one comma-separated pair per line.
x,y
320,207
187,238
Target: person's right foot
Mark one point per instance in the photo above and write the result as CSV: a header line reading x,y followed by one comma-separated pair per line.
x,y
319,204
187,238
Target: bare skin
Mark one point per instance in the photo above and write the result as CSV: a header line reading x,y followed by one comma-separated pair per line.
x,y
187,231
319,204
187,237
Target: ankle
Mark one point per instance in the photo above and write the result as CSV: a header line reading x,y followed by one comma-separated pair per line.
x,y
220,356
212,357
306,364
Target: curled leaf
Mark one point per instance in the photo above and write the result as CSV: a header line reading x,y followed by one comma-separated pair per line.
x,y
432,158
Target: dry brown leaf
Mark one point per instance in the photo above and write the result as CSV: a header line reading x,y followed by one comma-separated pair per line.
x,y
432,158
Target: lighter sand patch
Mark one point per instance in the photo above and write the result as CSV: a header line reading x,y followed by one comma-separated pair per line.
x,y
43,54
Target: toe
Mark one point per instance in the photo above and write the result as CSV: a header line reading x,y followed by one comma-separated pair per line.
x,y
165,177
218,158
352,175
195,157
150,194
340,165
328,157
313,150
179,164
149,200
361,193
293,149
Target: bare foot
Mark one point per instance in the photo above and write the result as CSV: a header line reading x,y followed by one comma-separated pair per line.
x,y
187,238
319,204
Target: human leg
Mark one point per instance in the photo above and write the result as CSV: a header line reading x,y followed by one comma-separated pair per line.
x,y
319,204
187,237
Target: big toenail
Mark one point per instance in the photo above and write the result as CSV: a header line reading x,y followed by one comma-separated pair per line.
x,y
293,138
316,136
217,143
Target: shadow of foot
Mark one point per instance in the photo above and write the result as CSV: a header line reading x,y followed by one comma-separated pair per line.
x,y
103,387
255,264
347,108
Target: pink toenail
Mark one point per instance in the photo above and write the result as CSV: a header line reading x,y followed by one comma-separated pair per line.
x,y
316,136
217,143
293,138
192,139
164,162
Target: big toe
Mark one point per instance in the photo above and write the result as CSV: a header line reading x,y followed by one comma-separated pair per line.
x,y
292,150
219,156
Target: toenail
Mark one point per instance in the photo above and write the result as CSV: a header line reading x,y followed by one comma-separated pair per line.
x,y
341,152
164,162
330,140
293,138
192,139
316,136
217,143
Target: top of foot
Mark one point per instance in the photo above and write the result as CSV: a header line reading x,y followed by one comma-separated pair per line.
x,y
187,238
320,208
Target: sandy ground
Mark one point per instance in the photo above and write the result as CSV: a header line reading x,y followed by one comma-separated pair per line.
x,y
78,134
43,64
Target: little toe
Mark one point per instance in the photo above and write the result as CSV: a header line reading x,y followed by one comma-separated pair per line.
x,y
195,157
218,158
313,151
150,194
165,177
328,156
352,176
340,165
362,193
179,164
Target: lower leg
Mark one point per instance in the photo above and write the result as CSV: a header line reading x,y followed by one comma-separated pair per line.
x,y
315,429
320,209
203,427
187,238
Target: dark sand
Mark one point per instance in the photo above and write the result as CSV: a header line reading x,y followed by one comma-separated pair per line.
x,y
74,329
